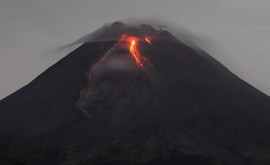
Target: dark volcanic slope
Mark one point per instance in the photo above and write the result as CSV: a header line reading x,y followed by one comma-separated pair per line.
x,y
191,110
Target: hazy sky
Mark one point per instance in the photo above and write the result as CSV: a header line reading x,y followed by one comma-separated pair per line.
x,y
236,32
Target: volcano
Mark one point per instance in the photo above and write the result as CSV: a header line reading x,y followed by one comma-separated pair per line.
x,y
140,96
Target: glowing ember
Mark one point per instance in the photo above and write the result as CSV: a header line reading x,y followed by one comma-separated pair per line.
x,y
148,40
123,36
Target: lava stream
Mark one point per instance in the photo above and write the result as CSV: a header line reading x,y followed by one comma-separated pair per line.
x,y
148,40
139,59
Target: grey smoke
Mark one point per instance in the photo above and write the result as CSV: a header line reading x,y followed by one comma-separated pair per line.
x,y
113,63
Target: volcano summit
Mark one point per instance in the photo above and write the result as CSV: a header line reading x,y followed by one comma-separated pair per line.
x,y
135,95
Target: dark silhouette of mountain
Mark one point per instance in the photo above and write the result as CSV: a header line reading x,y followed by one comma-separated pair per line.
x,y
85,109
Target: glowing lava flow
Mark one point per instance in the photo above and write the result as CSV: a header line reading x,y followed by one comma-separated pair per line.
x,y
139,59
147,40
133,49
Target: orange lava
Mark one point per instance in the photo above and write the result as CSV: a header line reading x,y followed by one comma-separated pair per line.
x,y
139,59
148,40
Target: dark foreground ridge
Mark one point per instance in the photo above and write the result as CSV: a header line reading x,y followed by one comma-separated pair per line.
x,y
86,110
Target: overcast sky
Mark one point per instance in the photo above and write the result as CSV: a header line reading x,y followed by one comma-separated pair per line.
x,y
236,32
